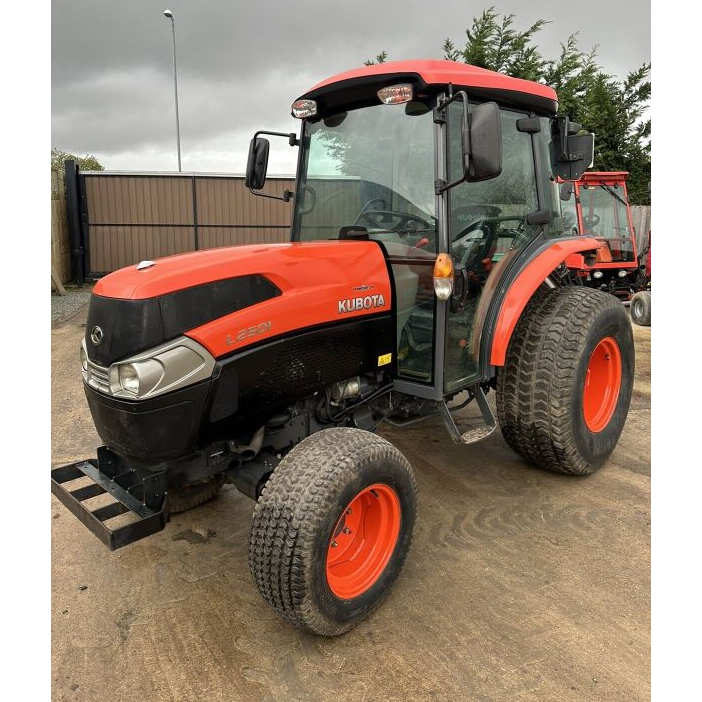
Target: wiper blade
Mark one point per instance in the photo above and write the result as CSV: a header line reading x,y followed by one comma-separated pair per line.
x,y
616,195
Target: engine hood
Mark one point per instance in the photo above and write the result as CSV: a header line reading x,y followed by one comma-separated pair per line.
x,y
230,298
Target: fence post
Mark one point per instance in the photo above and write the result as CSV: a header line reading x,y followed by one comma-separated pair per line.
x,y
73,214
195,231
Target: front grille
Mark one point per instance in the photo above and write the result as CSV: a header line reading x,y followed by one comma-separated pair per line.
x,y
98,377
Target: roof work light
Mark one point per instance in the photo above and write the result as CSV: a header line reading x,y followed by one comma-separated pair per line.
x,y
395,94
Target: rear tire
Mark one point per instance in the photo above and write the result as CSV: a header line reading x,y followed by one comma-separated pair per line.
x,y
564,391
299,531
641,308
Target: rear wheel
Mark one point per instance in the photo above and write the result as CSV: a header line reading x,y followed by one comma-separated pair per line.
x,y
641,308
332,528
564,391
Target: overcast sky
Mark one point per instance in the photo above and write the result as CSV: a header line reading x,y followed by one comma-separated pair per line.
x,y
241,64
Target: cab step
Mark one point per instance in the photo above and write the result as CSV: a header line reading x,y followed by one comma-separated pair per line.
x,y
476,429
144,497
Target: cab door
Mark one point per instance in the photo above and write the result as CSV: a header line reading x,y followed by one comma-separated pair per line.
x,y
487,228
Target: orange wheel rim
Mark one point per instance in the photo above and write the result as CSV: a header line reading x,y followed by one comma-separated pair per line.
x,y
363,541
602,384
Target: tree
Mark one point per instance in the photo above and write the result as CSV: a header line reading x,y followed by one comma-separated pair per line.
x,y
380,58
615,110
85,163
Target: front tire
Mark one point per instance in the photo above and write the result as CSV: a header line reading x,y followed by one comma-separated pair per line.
x,y
186,497
564,391
332,528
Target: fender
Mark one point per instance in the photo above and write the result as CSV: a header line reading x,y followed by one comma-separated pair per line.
x,y
524,286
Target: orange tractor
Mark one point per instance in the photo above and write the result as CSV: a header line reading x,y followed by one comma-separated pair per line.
x,y
426,268
597,206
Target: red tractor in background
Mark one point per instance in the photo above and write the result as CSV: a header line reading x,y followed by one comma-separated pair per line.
x,y
597,206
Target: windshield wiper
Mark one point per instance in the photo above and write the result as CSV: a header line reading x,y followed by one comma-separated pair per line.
x,y
616,195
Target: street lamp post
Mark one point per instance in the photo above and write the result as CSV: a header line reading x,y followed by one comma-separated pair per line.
x,y
169,14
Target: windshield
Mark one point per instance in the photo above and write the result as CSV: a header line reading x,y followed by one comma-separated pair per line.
x,y
605,215
371,169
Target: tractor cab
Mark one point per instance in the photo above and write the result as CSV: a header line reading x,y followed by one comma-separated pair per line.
x,y
451,170
597,206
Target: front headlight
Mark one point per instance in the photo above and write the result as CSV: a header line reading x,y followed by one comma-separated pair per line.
x,y
129,378
168,367
142,377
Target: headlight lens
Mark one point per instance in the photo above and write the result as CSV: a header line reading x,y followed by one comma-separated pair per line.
x,y
142,378
129,378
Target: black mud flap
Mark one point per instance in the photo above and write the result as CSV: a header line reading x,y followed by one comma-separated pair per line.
x,y
145,497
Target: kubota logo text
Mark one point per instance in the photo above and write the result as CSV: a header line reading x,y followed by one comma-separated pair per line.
x,y
353,304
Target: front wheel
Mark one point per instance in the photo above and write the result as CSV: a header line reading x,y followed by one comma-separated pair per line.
x,y
332,528
641,308
564,391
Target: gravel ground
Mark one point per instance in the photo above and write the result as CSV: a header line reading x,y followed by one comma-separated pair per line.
x,y
64,307
520,586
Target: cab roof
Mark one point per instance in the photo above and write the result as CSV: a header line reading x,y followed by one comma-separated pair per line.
x,y
429,75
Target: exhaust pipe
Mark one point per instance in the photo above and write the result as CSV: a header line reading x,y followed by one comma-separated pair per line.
x,y
249,451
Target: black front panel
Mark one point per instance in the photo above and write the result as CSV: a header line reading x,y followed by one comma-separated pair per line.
x,y
131,326
246,390
127,327
150,430
277,374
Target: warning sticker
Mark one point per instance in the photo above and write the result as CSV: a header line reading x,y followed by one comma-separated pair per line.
x,y
384,359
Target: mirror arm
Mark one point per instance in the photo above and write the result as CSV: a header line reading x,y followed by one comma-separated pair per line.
x,y
286,197
441,186
292,137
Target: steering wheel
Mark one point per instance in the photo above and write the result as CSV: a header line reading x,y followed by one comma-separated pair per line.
x,y
373,218
489,226
479,248
591,221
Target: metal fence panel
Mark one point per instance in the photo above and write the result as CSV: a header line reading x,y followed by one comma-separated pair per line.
x,y
130,217
641,219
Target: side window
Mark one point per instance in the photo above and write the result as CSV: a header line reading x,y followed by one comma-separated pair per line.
x,y
563,216
570,215
487,228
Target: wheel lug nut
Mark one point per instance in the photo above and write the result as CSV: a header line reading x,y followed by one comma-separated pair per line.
x,y
347,530
334,544
348,511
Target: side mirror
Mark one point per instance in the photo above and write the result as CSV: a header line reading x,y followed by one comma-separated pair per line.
x,y
571,153
482,143
257,164
566,191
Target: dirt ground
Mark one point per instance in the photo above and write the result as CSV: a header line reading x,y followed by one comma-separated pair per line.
x,y
520,585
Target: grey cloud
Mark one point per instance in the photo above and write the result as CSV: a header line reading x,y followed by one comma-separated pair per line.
x,y
240,64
